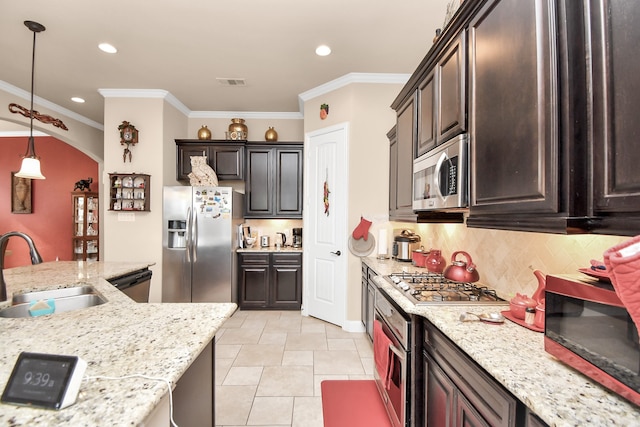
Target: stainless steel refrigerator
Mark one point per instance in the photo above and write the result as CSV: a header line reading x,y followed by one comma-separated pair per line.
x,y
199,241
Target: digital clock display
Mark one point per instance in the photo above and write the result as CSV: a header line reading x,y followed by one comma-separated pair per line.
x,y
40,380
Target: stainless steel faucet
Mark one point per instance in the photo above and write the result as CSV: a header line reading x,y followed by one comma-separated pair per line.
x,y
33,252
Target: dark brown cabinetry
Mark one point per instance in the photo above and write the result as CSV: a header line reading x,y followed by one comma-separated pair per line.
x,y
527,158
616,154
270,280
225,158
273,182
367,299
442,95
401,155
457,391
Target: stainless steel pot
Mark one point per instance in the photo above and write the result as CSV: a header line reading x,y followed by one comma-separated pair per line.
x,y
404,244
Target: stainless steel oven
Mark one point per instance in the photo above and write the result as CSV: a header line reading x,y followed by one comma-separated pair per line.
x,y
392,358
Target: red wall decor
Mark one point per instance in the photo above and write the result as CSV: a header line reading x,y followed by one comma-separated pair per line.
x,y
50,223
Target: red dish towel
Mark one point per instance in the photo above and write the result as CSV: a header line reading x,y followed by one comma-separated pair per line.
x,y
362,230
382,353
623,265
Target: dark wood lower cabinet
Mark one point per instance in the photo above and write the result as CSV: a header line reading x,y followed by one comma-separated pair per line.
x,y
270,281
457,392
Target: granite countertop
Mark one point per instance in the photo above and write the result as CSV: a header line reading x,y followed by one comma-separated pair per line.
x,y
116,339
270,249
516,358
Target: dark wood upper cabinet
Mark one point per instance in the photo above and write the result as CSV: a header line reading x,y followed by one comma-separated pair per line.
x,y
614,36
274,178
225,158
442,111
527,121
402,153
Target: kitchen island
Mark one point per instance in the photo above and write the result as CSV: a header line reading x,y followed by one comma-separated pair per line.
x,y
116,339
515,357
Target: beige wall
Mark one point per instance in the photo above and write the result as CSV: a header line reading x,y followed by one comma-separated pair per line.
x,y
366,108
137,236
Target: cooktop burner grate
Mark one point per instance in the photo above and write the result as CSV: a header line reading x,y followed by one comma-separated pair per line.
x,y
432,288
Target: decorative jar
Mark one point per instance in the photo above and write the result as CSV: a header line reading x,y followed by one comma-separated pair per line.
x,y
204,133
271,135
238,129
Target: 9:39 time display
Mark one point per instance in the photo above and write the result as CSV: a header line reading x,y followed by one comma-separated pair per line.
x,y
37,379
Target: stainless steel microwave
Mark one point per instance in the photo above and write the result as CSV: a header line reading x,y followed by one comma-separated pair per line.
x,y
588,328
441,177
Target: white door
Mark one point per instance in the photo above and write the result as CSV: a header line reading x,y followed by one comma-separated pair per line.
x,y
325,224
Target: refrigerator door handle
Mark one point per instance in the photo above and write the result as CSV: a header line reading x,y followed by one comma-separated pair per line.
x,y
188,242
195,238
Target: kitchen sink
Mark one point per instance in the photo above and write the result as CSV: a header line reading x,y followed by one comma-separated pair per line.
x,y
67,299
53,293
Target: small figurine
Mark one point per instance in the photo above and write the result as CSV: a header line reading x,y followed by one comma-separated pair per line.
x,y
83,184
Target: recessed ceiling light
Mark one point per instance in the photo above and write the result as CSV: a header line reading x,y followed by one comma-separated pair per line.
x,y
323,50
77,99
106,47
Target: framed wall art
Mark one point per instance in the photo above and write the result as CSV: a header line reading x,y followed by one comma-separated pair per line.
x,y
20,195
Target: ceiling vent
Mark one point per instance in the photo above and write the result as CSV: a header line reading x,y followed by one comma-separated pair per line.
x,y
231,82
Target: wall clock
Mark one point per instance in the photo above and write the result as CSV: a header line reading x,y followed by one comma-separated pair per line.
x,y
128,136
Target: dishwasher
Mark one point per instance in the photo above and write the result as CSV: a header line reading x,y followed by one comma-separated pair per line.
x,y
135,284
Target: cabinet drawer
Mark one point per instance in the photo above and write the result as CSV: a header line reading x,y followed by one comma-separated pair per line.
x,y
371,275
253,258
286,259
488,397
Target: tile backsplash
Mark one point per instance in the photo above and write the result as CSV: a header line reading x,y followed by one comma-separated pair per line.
x,y
506,259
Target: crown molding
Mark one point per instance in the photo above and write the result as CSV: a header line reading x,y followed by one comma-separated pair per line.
x,y
246,115
16,91
21,133
347,79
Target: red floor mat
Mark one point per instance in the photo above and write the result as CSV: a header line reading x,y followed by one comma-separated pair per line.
x,y
352,403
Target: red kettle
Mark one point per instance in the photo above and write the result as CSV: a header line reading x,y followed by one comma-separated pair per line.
x,y
461,271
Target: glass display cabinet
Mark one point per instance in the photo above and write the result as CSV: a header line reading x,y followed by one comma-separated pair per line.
x,y
85,241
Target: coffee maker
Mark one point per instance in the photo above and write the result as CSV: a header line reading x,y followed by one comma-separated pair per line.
x,y
297,237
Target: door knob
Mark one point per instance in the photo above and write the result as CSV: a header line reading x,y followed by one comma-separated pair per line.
x,y
337,253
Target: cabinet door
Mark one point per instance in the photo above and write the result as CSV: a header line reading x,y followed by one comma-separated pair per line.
x,y
288,190
253,280
513,108
364,293
451,94
427,111
285,289
616,153
259,183
401,209
466,415
228,161
439,394
183,159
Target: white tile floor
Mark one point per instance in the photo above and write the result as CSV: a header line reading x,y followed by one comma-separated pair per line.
x,y
269,365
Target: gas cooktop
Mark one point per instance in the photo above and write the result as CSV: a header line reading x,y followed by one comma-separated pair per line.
x,y
432,288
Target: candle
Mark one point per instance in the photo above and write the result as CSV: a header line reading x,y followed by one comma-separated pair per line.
x,y
382,241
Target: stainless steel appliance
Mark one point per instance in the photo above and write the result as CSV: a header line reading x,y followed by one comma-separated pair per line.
x,y
297,237
424,288
199,242
404,244
441,177
135,285
588,328
392,328
265,241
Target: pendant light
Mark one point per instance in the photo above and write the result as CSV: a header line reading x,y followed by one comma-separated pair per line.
x,y
30,162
